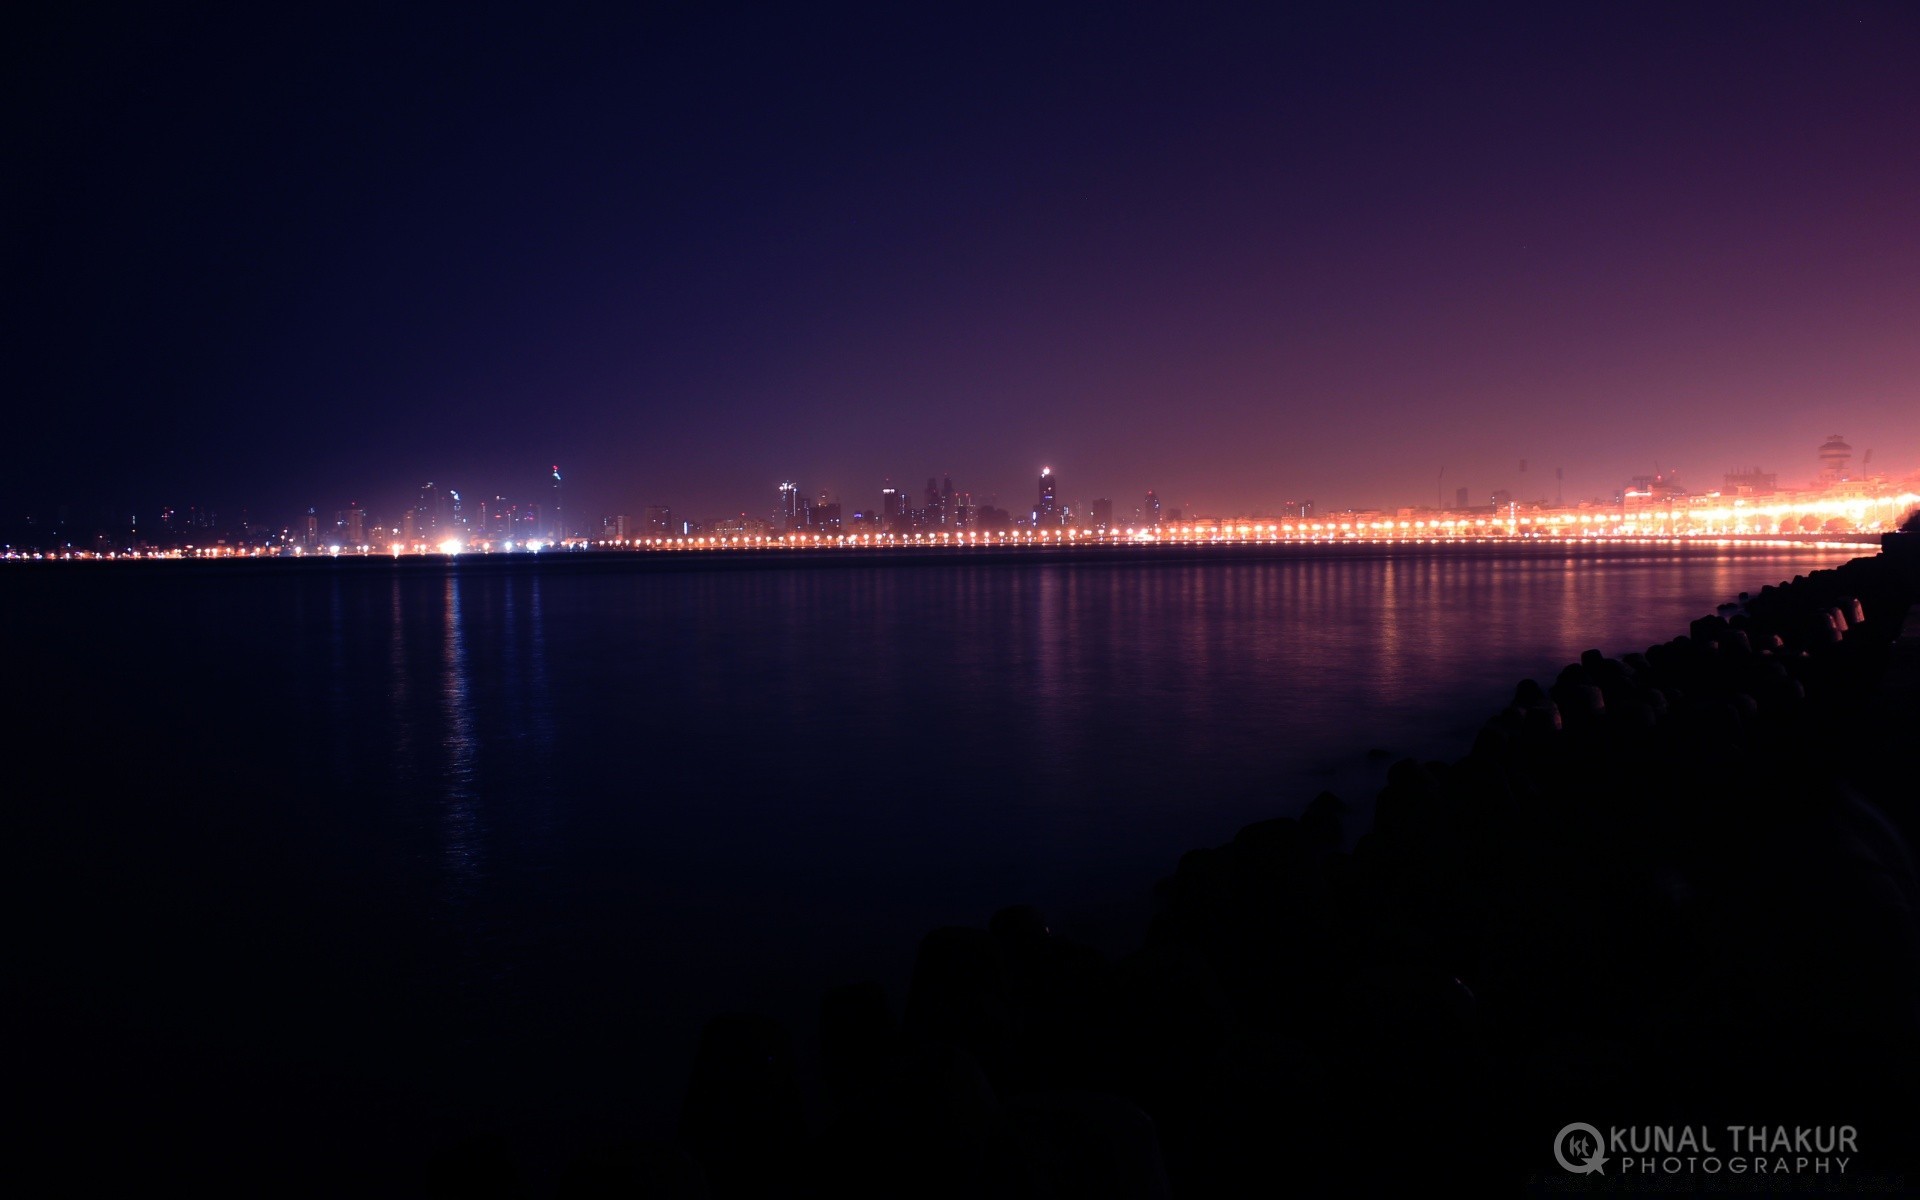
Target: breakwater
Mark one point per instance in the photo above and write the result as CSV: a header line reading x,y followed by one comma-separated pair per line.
x,y
1671,888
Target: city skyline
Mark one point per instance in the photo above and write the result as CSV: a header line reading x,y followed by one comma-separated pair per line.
x,y
1526,480
436,517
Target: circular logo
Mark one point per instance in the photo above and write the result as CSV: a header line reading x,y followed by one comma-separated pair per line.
x,y
1580,1149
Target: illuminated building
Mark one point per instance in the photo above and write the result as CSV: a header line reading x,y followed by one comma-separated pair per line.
x,y
1047,510
934,515
1151,513
740,526
1658,488
1836,462
434,509
893,508
498,517
1750,482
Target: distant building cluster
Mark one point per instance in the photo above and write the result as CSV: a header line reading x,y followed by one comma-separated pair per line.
x,y
1842,497
439,519
1839,499
939,508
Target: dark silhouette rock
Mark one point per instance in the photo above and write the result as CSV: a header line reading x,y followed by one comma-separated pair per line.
x,y
626,1170
481,1167
857,1040
742,1120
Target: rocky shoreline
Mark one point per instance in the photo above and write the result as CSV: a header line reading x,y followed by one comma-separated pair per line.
x,y
1674,888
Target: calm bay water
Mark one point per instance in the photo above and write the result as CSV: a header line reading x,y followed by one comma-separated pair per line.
x,y
321,863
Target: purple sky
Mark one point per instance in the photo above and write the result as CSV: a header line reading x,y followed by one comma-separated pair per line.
x,y
1235,256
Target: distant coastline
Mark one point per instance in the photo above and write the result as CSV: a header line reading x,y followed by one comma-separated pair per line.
x,y
690,555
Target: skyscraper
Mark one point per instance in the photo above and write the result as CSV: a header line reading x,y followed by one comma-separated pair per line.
x,y
498,518
1152,510
893,507
1047,511
1103,514
787,516
434,510
938,504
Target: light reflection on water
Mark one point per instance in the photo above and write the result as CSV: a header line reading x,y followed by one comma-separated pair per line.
x,y
570,813
464,850
1042,727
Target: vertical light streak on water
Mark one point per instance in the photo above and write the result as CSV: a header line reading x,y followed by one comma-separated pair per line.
x,y
399,722
540,687
528,706
544,791
1393,635
1567,630
509,639
1049,656
340,751
462,854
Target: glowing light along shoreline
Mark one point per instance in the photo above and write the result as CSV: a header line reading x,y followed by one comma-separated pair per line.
x,y
1725,525
1019,540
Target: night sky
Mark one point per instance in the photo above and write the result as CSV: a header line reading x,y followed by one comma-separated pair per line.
x,y
1234,255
